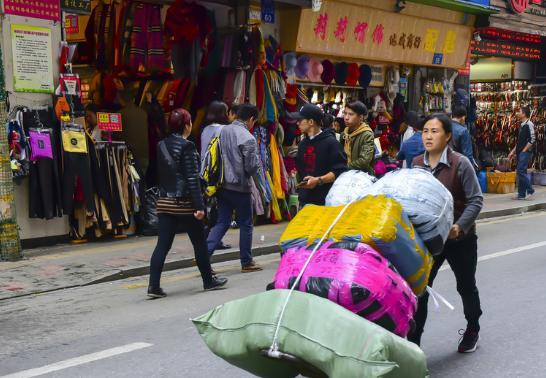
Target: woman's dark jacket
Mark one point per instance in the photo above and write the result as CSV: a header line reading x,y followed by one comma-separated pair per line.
x,y
178,167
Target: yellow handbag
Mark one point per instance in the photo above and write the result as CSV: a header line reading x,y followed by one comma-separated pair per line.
x,y
74,141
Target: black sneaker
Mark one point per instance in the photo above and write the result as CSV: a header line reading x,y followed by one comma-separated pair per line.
x,y
223,246
156,292
215,284
469,341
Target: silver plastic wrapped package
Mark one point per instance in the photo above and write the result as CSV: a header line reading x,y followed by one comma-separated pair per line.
x,y
348,187
426,200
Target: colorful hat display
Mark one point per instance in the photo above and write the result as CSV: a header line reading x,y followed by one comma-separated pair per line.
x,y
328,72
353,74
302,67
290,61
315,69
365,76
341,73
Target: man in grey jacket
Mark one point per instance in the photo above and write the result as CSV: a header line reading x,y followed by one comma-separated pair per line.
x,y
239,152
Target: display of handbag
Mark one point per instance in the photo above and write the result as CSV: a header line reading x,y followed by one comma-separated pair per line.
x,y
74,141
40,144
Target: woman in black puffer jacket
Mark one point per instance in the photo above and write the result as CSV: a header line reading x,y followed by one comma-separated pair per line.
x,y
180,200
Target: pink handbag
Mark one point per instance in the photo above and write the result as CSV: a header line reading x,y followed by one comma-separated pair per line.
x,y
40,144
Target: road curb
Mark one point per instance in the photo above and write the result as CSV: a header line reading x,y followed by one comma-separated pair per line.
x,y
513,211
230,255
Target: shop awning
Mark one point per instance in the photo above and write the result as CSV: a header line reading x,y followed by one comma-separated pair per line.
x,y
472,7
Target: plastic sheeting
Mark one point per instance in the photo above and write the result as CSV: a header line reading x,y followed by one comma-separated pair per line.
x,y
348,187
426,200
361,280
318,333
378,221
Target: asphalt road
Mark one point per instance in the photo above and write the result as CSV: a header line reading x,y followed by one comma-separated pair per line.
x,y
112,330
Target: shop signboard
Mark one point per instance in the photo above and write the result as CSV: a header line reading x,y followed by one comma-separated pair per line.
x,y
109,122
346,30
44,9
520,6
505,49
32,59
76,6
268,11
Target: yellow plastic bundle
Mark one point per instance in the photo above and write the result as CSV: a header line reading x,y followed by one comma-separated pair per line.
x,y
375,220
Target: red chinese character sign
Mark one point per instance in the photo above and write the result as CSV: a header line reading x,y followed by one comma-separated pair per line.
x,y
518,6
44,9
109,121
352,31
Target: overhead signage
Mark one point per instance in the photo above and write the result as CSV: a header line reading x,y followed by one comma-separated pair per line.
x,y
520,6
44,9
509,35
505,49
346,30
76,6
268,11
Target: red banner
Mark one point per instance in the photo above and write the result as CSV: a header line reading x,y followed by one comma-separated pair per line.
x,y
44,9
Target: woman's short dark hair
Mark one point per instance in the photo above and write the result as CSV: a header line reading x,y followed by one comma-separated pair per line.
x,y
178,119
328,121
217,113
234,108
444,120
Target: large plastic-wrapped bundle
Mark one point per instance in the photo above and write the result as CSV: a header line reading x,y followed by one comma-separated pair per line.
x,y
427,202
378,221
348,187
317,338
362,281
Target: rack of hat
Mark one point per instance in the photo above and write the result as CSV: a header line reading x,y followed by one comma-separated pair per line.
x,y
327,82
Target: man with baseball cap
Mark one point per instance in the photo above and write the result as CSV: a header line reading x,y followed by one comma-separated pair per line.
x,y
320,159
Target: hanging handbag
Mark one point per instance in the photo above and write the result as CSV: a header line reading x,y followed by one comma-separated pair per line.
x,y
74,141
40,144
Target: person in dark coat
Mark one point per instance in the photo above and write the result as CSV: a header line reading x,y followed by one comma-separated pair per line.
x,y
180,201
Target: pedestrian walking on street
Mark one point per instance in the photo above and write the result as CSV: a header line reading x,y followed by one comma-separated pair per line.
x,y
320,159
523,151
413,146
216,118
239,152
461,249
358,138
461,141
180,201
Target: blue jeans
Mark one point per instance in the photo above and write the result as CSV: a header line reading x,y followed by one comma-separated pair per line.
x,y
228,201
524,186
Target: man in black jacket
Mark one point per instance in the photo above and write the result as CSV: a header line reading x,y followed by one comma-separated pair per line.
x,y
523,151
320,159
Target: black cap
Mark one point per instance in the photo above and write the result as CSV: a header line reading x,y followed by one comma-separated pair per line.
x,y
308,111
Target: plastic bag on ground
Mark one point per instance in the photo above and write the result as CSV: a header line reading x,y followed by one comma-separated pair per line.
x,y
318,332
378,221
426,200
361,280
348,187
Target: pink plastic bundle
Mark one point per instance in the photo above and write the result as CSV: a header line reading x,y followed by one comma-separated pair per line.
x,y
359,279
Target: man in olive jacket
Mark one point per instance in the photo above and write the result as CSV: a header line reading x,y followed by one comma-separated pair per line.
x,y
358,138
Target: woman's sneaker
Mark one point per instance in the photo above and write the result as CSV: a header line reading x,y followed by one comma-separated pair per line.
x,y
156,292
215,284
469,341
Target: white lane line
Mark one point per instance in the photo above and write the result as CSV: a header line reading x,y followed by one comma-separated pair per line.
x,y
78,361
504,253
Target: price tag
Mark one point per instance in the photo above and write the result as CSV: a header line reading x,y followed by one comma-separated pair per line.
x,y
109,121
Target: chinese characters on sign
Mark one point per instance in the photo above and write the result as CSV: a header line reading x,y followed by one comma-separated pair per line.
x,y
32,59
71,24
109,121
44,9
355,31
76,6
505,49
